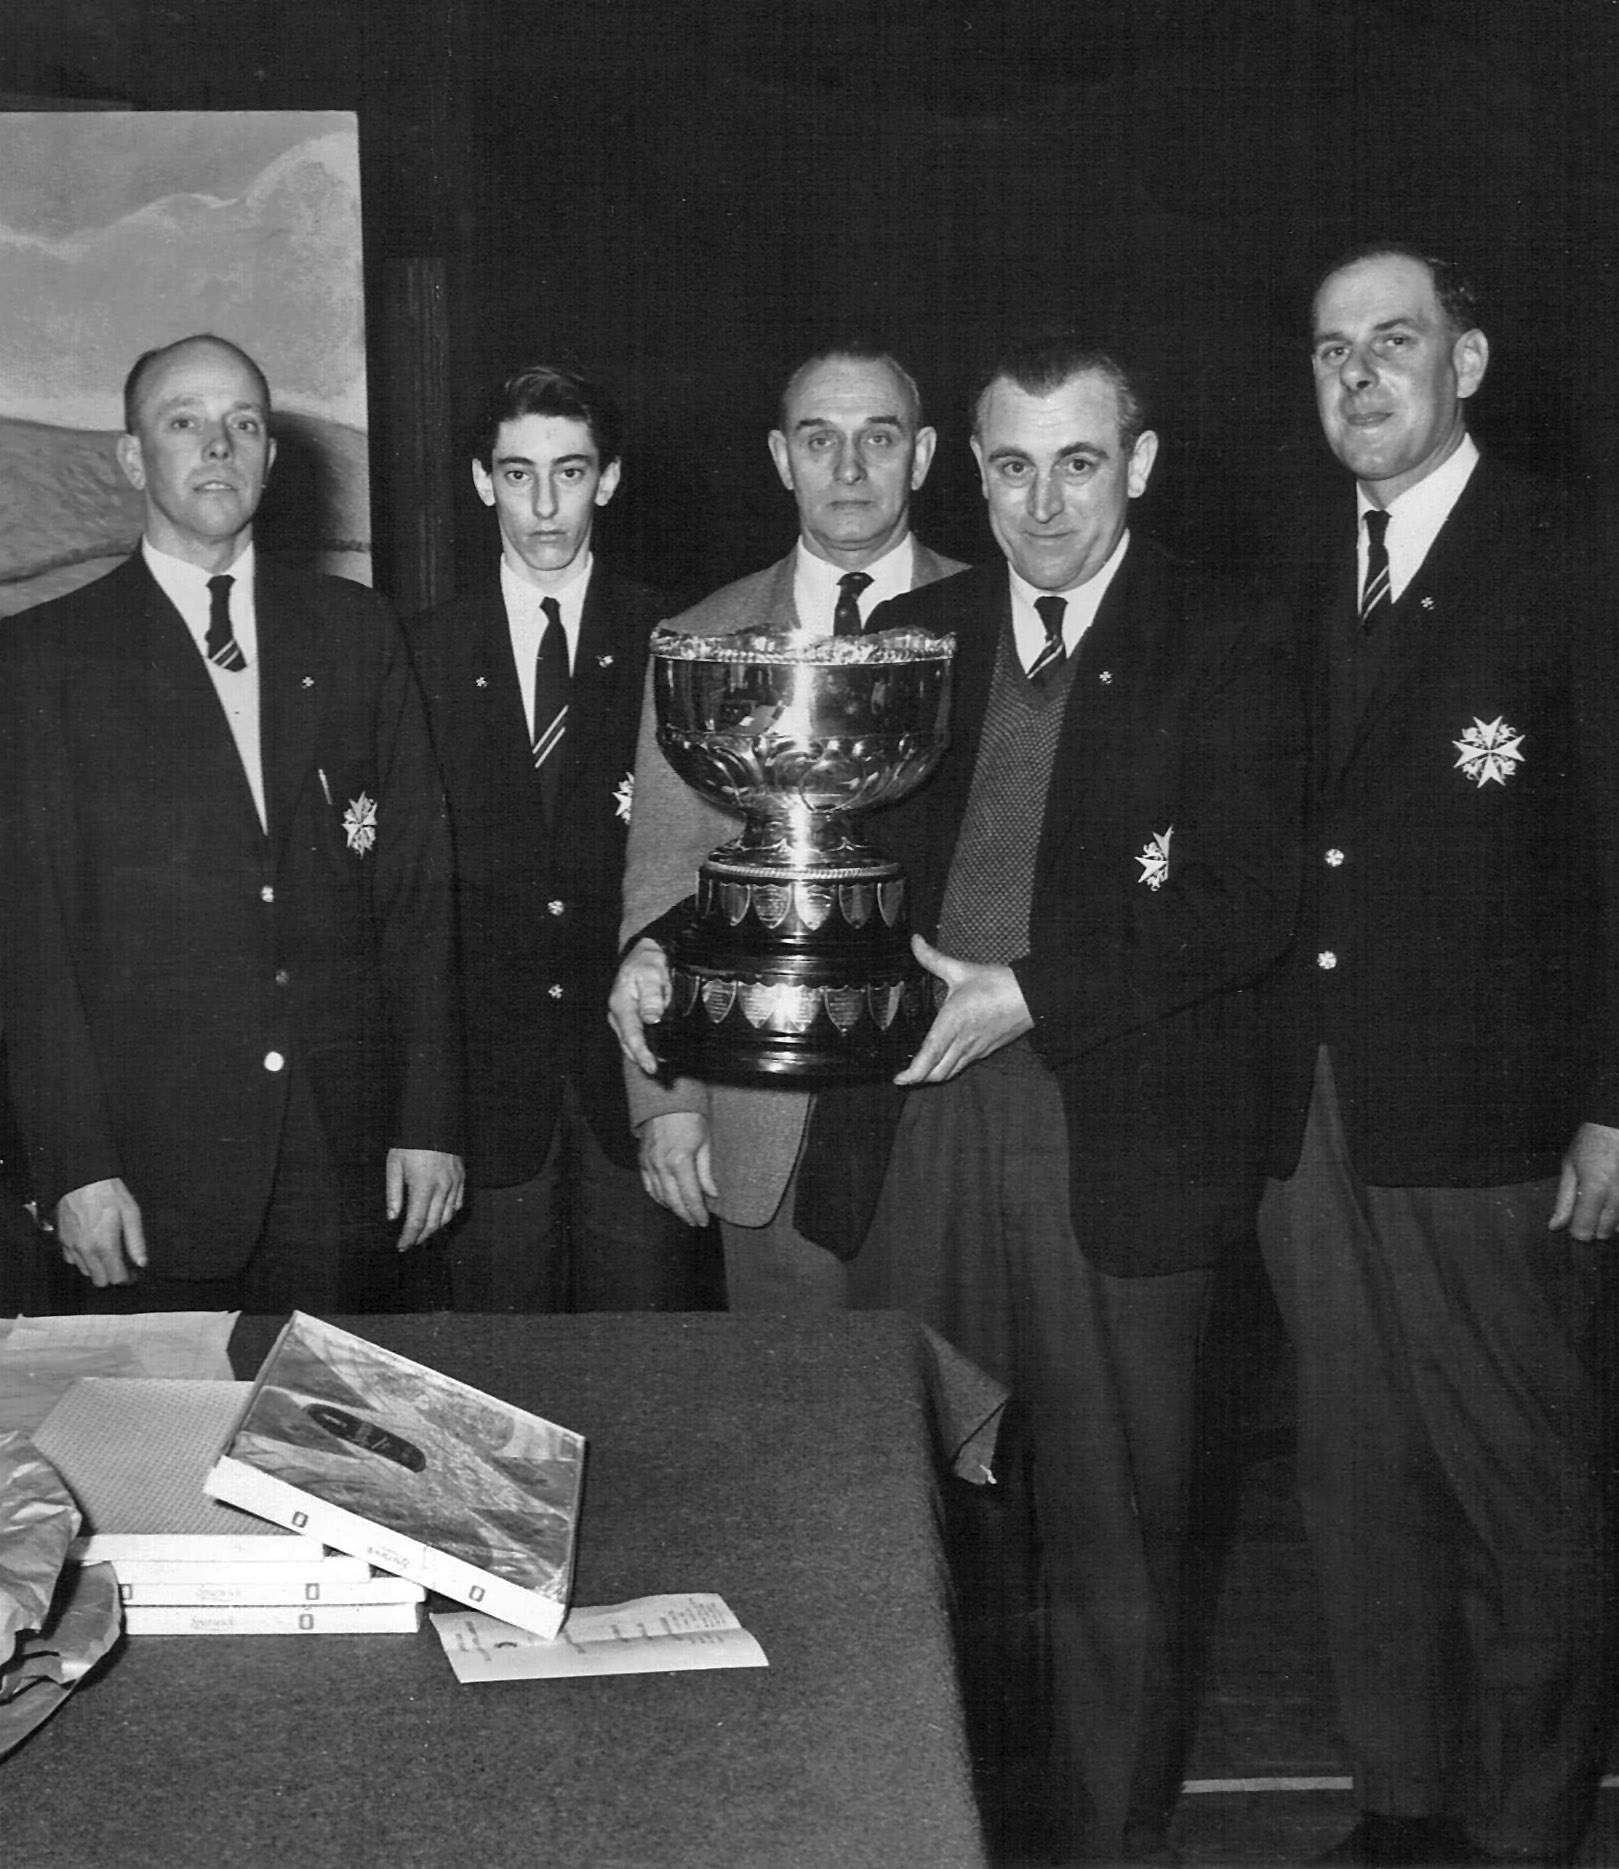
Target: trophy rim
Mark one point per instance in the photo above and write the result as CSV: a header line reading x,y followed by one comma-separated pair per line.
x,y
891,648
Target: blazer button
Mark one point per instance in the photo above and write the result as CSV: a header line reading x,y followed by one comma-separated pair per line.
x,y
266,894
1326,960
554,991
282,976
555,908
273,1061
1333,859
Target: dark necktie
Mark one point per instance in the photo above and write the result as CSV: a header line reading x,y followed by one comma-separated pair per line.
x,y
221,646
1376,600
551,684
1050,611
846,618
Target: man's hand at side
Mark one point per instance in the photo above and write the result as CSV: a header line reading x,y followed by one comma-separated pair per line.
x,y
1588,1194
99,1228
639,997
425,1185
676,1168
983,1010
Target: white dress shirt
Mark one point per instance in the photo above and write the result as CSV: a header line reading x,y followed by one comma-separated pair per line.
x,y
1083,601
1416,518
186,587
816,590
526,622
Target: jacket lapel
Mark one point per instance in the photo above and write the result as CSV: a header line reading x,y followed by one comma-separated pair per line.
x,y
599,666
1108,673
294,679
979,611
164,660
1468,554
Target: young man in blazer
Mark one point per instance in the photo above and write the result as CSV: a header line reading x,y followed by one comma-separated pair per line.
x,y
851,448
1446,1161
234,1055
533,687
1102,864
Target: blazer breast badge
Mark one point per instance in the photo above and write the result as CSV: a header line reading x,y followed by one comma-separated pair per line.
x,y
1154,859
624,797
360,824
1489,751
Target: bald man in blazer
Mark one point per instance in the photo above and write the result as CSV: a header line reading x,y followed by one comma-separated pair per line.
x,y
233,1049
851,449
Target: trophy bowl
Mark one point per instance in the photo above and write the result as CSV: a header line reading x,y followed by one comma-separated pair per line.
x,y
794,962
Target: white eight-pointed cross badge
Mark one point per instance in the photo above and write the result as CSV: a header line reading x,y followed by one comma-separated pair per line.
x,y
1154,859
1489,751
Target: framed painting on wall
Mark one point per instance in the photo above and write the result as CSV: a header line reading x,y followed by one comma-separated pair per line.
x,y
124,230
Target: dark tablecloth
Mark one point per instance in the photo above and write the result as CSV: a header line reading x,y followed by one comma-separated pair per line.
x,y
788,1466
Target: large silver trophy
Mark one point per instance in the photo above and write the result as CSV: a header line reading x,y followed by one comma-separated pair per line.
x,y
796,962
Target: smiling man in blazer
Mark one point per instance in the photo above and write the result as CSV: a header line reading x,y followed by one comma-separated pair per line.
x,y
851,448
1102,864
533,689
234,1056
1440,1227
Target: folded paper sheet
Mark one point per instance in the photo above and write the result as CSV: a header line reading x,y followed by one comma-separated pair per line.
x,y
651,1635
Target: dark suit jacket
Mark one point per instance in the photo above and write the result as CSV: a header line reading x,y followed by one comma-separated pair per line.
x,y
162,948
538,903
1459,948
1183,718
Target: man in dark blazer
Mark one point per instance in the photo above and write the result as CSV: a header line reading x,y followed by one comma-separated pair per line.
x,y
233,1049
851,447
1447,1095
533,689
1102,863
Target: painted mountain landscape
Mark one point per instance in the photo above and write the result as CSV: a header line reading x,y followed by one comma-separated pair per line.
x,y
124,230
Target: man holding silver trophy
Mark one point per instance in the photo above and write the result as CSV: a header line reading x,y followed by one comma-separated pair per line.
x,y
851,448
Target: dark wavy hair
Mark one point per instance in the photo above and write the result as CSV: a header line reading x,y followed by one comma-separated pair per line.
x,y
1041,365
538,389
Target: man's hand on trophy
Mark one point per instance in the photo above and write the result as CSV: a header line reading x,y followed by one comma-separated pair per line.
x,y
983,1009
638,999
676,1169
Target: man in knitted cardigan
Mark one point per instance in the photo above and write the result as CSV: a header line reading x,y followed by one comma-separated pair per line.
x,y
1103,863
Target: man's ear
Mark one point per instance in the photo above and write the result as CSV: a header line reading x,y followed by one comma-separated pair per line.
x,y
927,440
782,456
1470,356
607,485
128,452
1142,456
483,482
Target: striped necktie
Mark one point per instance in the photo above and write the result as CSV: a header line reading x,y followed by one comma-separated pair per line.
x,y
1376,600
1050,611
220,646
551,684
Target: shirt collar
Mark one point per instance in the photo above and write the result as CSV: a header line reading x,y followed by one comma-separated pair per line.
x,y
179,575
1082,600
523,598
1419,514
815,582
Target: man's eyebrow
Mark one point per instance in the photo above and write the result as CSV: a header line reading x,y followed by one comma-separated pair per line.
x,y
190,399
524,460
1088,450
866,421
1387,324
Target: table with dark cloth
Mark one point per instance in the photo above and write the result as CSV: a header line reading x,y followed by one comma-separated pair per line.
x,y
788,1466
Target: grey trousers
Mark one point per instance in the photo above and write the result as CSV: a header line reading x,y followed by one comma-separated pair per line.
x,y
1450,1435
972,1234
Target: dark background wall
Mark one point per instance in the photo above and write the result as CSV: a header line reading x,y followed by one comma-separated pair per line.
x,y
683,198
